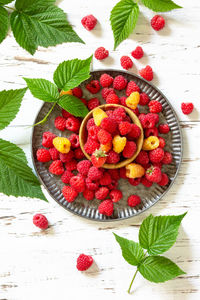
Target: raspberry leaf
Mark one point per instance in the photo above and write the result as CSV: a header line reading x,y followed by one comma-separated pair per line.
x,y
10,102
158,234
123,19
160,5
4,23
73,105
17,178
159,269
3,2
69,74
132,252
43,89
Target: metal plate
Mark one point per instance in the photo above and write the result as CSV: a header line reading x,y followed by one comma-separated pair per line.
x,y
149,196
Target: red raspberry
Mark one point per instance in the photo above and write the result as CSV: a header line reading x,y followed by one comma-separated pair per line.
x,y
133,200
113,157
89,22
106,91
90,123
78,183
136,111
91,185
156,117
161,142
47,139
163,128
93,87
157,22
113,185
119,114
156,155
119,82
40,221
147,121
104,137
147,73
59,123
88,194
84,262
93,103
84,101
102,193
54,153
134,181
151,131
164,180
123,100
112,98
187,108
66,157
106,208
159,165
153,174
95,173
129,149
66,176
43,155
69,193
77,92
125,128
132,87
56,167
101,53
66,114
106,80
71,165
146,182
78,153
122,173
74,140
144,99
155,106
83,167
73,124
142,158
116,195
114,174
126,62
109,125
167,159
90,146
106,179
92,132
135,132
137,53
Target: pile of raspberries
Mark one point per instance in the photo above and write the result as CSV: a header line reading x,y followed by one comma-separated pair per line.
x,y
111,130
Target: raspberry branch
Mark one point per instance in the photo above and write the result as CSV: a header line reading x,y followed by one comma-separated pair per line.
x,y
129,289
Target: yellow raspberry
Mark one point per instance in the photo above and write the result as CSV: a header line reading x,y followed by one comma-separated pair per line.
x,y
62,144
150,143
119,143
66,93
134,170
106,147
99,115
133,100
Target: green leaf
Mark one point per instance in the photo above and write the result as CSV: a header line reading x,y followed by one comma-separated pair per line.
x,y
160,5
69,74
5,2
159,269
73,105
10,102
132,252
123,19
43,89
158,234
17,178
4,23
26,4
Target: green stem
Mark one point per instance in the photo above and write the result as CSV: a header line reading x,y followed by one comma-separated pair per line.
x,y
9,7
129,289
46,117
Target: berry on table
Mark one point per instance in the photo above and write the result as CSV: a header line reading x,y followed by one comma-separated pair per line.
x,y
156,155
146,182
71,165
153,174
106,207
89,22
66,176
95,173
119,82
164,180
133,200
101,53
106,179
112,98
66,114
43,155
134,170
83,167
60,123
114,174
155,106
72,124
93,103
150,143
62,144
47,139
151,131
144,99
77,92
132,87
187,108
161,142
133,100
78,183
56,167
101,193
88,194
78,153
163,128
167,159
142,158
74,140
137,53
147,73
84,262
40,221
157,22
93,86
54,153
116,195
106,80
106,91
66,157
134,181
69,193
126,62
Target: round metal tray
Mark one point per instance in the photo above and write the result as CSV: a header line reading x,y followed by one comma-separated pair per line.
x,y
149,196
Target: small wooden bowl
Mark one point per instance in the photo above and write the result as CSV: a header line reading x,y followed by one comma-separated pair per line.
x,y
135,120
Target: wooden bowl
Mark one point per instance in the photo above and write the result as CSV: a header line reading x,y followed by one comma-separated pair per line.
x,y
135,120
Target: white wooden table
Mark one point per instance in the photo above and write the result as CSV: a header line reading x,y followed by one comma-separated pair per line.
x,y
42,265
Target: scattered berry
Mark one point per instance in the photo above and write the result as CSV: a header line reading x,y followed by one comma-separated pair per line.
x,y
106,91
163,128
119,82
134,170
47,139
156,155
71,165
116,195
155,106
133,200
114,174
147,73
69,193
161,142
151,131
89,22
106,208
93,87
43,155
129,149
93,103
126,62
40,221
150,143
113,185
133,100
101,53
74,140
77,92
122,100
54,153
144,99
56,167
66,176
62,144
153,174
84,262
91,185
112,98
122,173
66,157
137,53
134,181
132,87
187,108
66,114
95,173
157,22
78,153
142,158
164,180
59,123
72,124
78,183
167,159
106,179
106,80
83,167
88,194
146,182
102,193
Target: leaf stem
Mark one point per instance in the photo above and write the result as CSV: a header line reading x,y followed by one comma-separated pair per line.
x,y
9,7
46,117
129,289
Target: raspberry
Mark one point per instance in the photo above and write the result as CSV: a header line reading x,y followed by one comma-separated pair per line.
x,y
132,87
126,62
83,167
112,98
122,173
95,173
106,80
137,53
151,131
133,100
163,128
62,144
90,146
69,193
133,200
56,167
40,221
187,108
77,92
78,153
93,103
153,174
147,73
84,101
84,262
119,143
66,157
134,181
90,123
142,158
135,132
54,153
91,185
119,114
164,180
116,195
106,147
78,183
113,157
144,99
98,158
156,117
71,165
43,155
122,100
155,106
148,121
102,193
66,176
59,123
101,53
72,124
109,125
74,140
156,155
161,142
113,185
92,132
150,143
157,22
167,159
106,208
125,128
114,173
119,82
106,91
93,87
136,111
88,194
89,22
146,182
104,137
47,139
129,149
99,115
66,114
134,170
